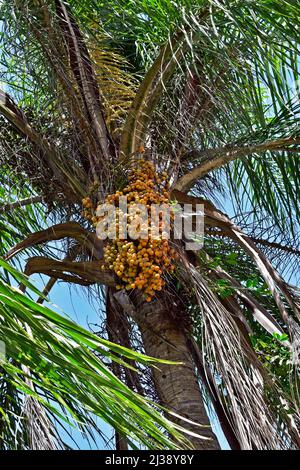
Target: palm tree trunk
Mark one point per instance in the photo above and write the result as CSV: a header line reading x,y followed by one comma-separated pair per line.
x,y
176,385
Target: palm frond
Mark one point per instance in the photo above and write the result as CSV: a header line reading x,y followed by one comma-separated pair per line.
x,y
56,356
117,85
254,421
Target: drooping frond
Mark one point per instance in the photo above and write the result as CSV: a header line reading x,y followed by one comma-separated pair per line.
x,y
56,356
210,90
227,354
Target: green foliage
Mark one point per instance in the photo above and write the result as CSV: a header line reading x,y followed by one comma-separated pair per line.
x,y
219,76
275,356
66,365
223,288
21,221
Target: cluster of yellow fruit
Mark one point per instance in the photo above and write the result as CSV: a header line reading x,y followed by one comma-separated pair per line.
x,y
88,210
141,263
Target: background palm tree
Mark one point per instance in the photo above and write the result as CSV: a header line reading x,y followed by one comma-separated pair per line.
x,y
209,89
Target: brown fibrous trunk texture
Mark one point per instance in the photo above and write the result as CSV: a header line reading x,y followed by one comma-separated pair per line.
x,y
177,386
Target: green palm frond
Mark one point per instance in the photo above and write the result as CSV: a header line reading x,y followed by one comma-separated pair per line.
x,y
238,67
210,89
17,219
57,356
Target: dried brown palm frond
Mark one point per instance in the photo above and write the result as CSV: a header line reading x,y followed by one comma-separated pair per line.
x,y
41,430
227,355
71,79
215,218
38,157
57,232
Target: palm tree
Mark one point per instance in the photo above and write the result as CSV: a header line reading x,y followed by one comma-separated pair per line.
x,y
207,91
